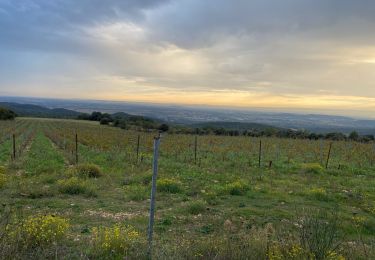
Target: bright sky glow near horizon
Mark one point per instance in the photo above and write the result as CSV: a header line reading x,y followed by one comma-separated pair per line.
x,y
289,54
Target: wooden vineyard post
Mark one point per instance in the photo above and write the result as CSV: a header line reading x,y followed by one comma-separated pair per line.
x,y
329,154
153,194
195,149
14,146
76,148
260,153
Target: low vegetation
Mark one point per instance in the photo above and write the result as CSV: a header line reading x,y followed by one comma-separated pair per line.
x,y
226,201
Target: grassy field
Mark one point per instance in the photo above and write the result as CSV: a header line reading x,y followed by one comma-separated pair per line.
x,y
218,205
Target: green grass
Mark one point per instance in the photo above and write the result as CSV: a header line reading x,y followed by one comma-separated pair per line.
x,y
224,205
42,158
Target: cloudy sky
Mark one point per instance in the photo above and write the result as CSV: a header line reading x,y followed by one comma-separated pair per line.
x,y
294,54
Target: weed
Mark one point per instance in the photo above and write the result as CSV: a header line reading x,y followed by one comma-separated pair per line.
x,y
206,229
87,171
168,185
319,233
136,192
314,168
76,186
196,207
319,194
116,241
237,188
42,230
211,198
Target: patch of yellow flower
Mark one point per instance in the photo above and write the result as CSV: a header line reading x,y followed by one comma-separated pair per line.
x,y
118,239
332,255
293,252
358,220
320,191
37,230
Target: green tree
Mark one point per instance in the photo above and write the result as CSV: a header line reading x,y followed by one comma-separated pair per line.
x,y
354,136
6,114
164,127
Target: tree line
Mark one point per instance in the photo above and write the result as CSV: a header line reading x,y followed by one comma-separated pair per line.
x,y
140,123
125,121
274,132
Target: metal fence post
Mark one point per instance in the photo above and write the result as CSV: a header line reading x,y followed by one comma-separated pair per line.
x,y
153,194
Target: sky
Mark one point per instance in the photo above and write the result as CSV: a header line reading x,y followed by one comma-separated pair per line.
x,y
316,55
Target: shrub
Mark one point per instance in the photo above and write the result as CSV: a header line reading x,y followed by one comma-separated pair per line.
x,y
42,230
168,185
75,186
314,168
237,188
196,207
87,171
319,233
116,241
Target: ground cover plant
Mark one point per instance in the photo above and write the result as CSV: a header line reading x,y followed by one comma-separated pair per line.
x,y
228,200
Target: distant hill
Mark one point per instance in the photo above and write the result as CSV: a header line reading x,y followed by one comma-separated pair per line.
x,y
28,110
240,126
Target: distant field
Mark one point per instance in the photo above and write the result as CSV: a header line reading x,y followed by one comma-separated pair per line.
x,y
218,204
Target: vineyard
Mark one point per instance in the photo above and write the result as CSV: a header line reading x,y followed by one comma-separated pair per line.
x,y
217,196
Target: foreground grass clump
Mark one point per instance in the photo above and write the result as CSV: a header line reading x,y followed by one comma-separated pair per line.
x,y
86,171
237,188
42,230
116,241
137,192
319,194
319,234
196,207
168,185
314,168
3,178
76,186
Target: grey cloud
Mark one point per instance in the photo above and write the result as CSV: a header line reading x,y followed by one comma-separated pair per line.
x,y
57,25
194,24
277,46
